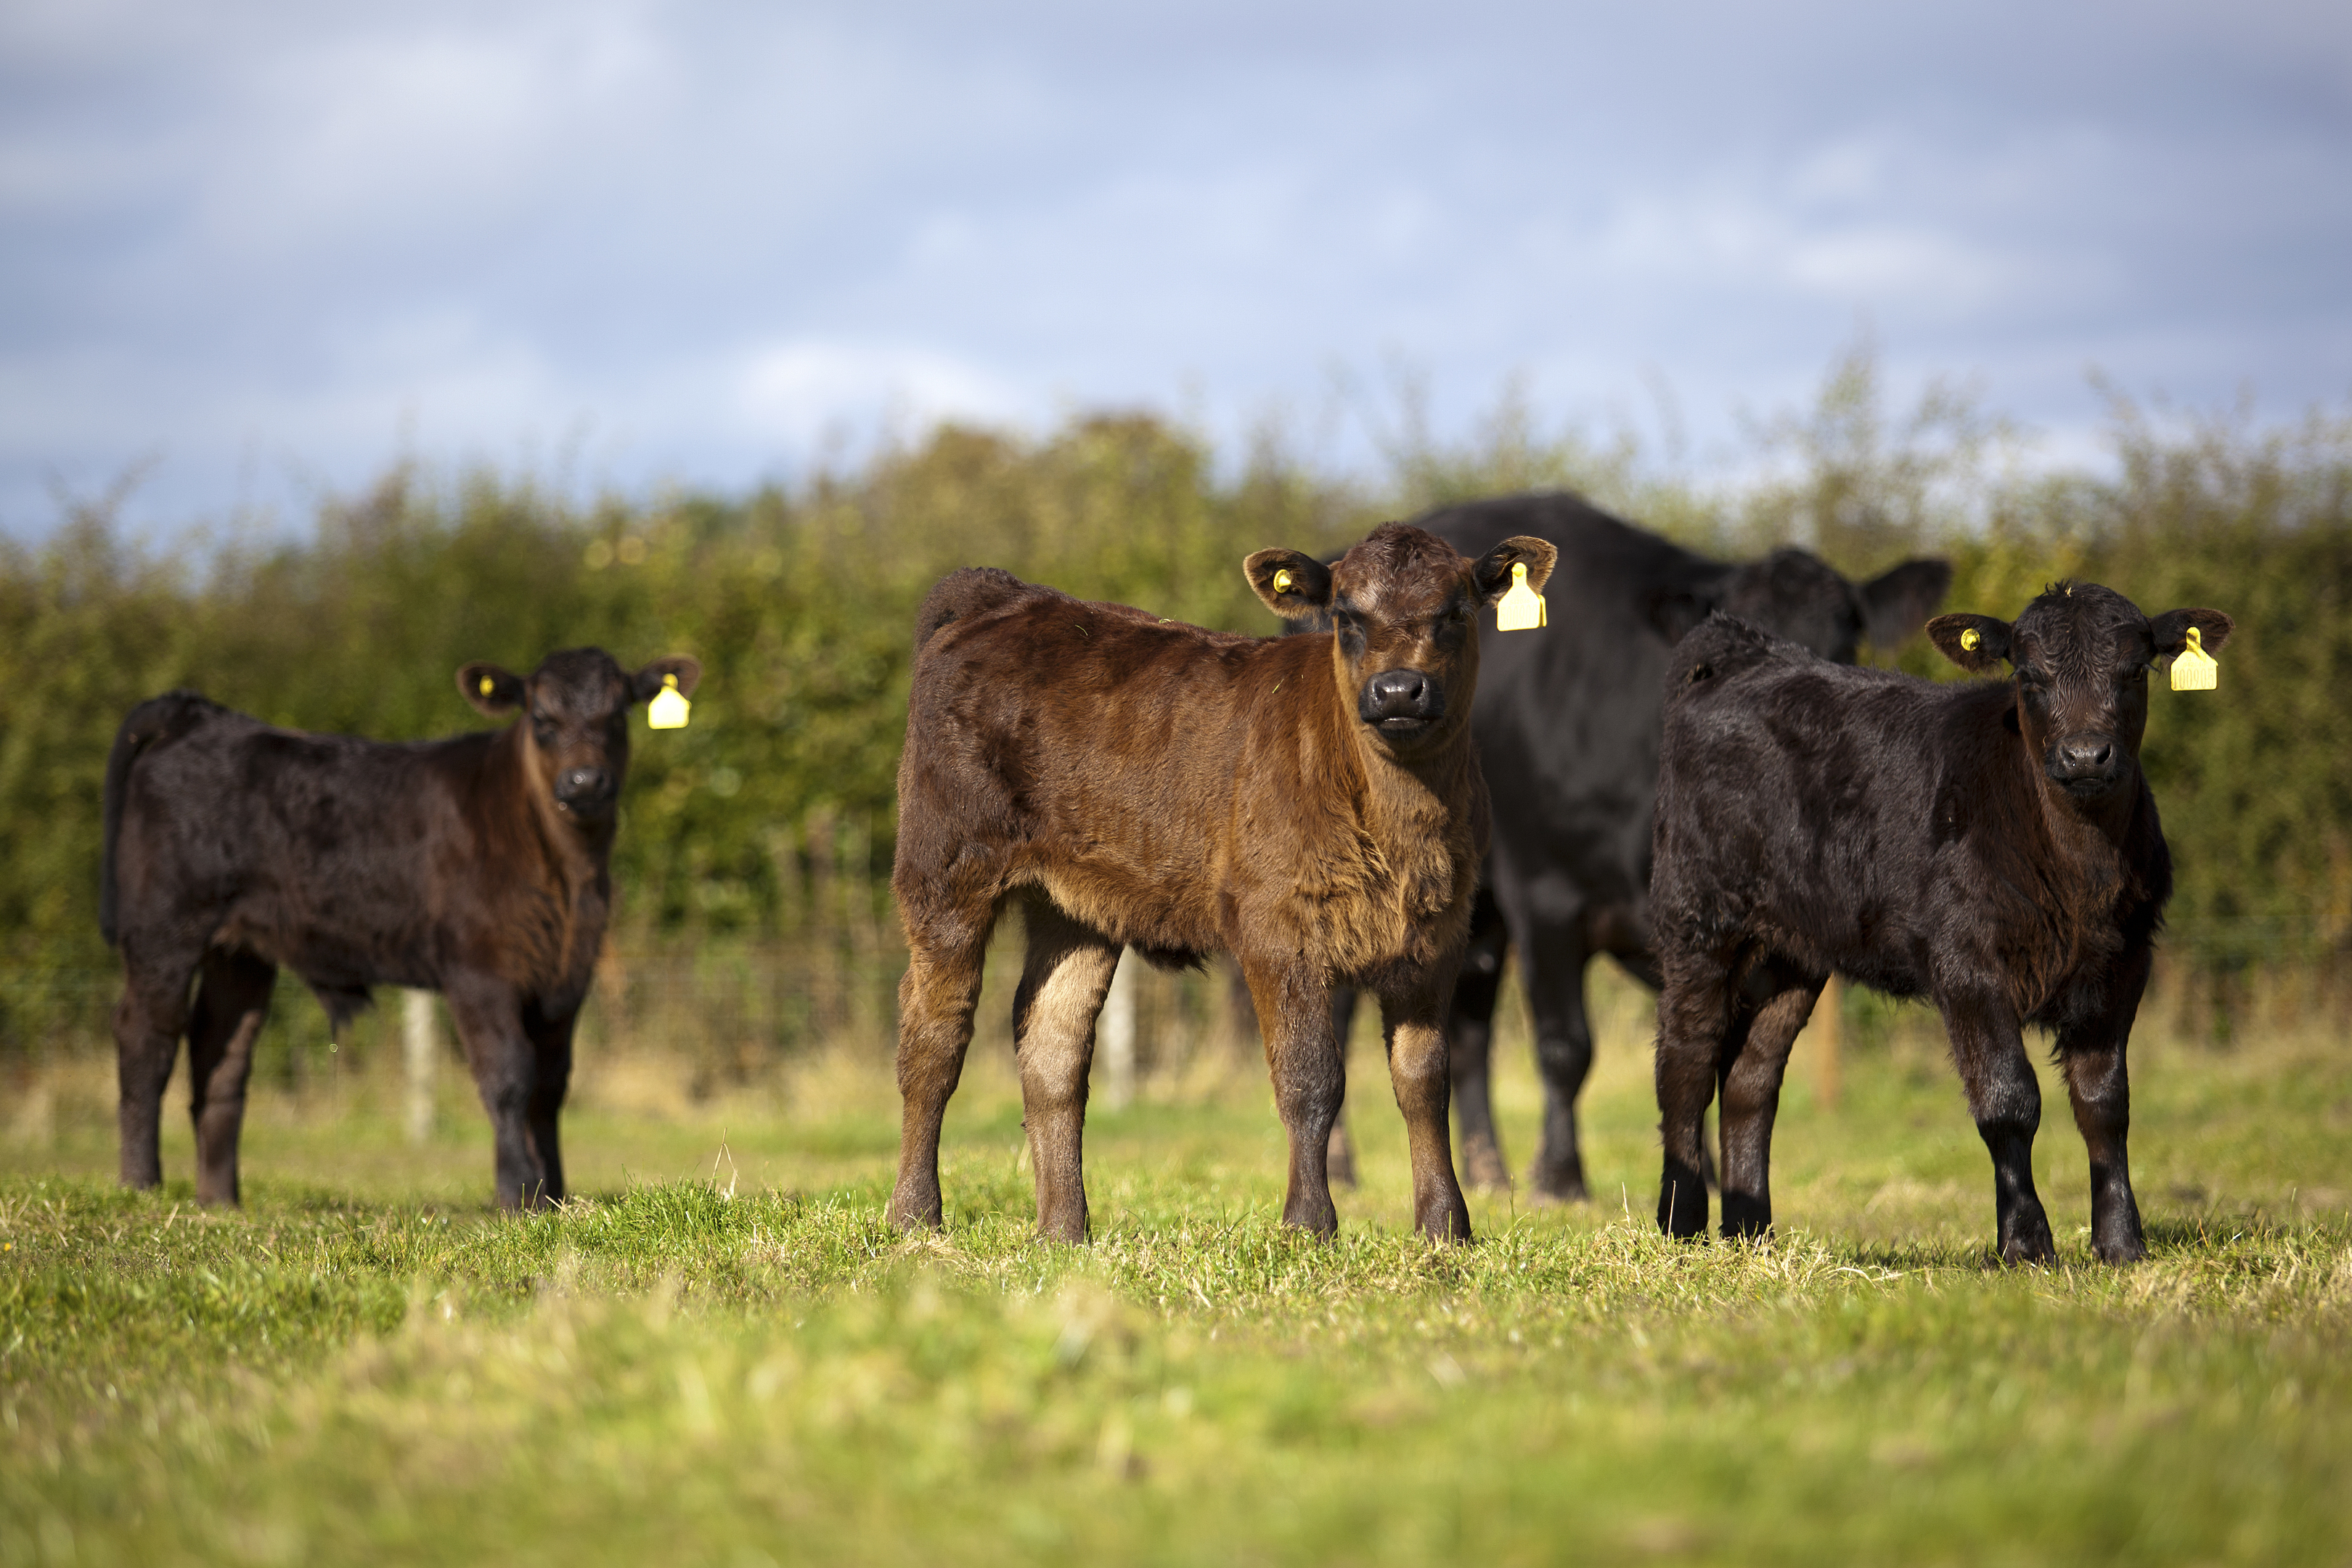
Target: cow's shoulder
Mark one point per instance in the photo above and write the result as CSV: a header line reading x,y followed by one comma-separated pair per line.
x,y
1595,547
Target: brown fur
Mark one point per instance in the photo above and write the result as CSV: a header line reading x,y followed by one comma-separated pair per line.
x,y
1133,782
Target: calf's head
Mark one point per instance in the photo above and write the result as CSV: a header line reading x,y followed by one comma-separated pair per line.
x,y
1401,607
2082,654
575,730
1794,594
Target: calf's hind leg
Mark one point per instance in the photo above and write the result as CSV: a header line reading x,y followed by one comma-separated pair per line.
x,y
1554,957
936,997
232,1002
148,1023
1750,1075
1063,979
1470,1035
1695,1018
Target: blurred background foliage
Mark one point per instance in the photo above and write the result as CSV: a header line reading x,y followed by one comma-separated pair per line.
x,y
753,869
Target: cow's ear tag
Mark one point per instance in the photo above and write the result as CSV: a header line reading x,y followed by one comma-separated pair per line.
x,y
1522,608
2194,670
669,707
1971,639
1282,581
489,686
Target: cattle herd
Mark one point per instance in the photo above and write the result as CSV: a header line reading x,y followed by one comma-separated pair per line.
x,y
1684,769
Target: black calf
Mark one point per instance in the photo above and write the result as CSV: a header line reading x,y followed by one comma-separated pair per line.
x,y
1991,845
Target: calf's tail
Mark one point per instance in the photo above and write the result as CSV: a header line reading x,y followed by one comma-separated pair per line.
x,y
156,718
1720,646
973,591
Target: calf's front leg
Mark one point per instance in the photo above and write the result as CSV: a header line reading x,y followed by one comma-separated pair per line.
x,y
487,1014
551,1044
1419,1072
2098,1082
1311,1079
2006,1101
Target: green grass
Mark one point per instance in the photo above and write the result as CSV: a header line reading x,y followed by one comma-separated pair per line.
x,y
723,1355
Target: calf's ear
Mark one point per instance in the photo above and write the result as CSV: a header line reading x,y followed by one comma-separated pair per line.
x,y
1978,644
490,689
1292,585
1677,610
648,682
1674,611
2171,631
1492,571
1897,602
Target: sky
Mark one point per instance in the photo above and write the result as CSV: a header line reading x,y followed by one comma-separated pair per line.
x,y
251,254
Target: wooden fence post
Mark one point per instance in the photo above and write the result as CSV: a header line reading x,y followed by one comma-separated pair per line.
x,y
1119,1037
1828,1029
419,1051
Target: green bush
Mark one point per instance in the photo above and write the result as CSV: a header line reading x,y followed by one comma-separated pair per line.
x,y
770,819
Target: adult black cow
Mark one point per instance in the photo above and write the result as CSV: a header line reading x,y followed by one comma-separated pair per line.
x,y
1567,724
474,865
1993,845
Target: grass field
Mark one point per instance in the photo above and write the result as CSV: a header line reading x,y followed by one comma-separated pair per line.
x,y
720,1355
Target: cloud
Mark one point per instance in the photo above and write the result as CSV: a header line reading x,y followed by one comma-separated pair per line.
x,y
797,394
715,233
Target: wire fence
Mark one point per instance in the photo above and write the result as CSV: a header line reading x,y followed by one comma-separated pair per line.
x,y
716,1016
728,1011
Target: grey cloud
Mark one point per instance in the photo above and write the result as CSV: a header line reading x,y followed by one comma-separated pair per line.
x,y
711,232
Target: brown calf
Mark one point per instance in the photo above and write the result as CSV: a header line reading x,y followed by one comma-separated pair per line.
x,y
1311,804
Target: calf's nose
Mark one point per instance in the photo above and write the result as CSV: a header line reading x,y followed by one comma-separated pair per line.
x,y
1400,691
581,784
1400,702
2083,757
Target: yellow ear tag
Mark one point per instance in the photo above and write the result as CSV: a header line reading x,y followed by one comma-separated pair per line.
x,y
489,686
1282,581
1522,608
1971,639
2194,670
667,710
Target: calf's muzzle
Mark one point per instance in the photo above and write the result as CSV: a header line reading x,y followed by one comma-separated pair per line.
x,y
2087,764
584,791
1401,702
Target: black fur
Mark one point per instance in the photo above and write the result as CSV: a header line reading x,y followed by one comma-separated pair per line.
x,y
475,865
1991,845
1567,725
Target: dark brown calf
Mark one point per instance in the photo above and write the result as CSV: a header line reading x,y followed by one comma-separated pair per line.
x,y
474,865
1311,804
1992,845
